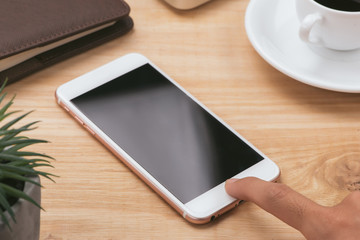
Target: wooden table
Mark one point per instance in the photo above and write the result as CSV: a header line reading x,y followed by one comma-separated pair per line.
x,y
312,134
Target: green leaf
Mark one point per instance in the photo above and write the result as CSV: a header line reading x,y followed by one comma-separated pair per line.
x,y
11,158
18,194
2,97
9,124
16,147
6,205
19,177
30,154
6,106
47,175
13,132
5,220
3,85
7,114
35,165
2,88
15,164
26,142
31,164
19,170
27,171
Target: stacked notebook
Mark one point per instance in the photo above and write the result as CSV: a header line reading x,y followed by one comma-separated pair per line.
x,y
35,34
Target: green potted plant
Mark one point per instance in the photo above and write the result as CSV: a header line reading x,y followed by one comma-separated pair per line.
x,y
19,176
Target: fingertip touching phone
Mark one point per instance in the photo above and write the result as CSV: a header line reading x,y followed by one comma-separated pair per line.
x,y
174,143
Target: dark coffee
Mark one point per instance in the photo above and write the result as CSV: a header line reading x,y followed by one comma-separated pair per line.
x,y
342,5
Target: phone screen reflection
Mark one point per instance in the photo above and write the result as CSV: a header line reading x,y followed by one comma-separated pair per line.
x,y
172,137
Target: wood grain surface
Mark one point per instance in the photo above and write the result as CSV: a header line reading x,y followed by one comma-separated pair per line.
x,y
312,134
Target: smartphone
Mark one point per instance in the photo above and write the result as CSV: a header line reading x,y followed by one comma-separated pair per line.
x,y
175,144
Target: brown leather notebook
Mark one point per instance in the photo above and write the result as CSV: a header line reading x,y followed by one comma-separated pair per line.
x,y
35,34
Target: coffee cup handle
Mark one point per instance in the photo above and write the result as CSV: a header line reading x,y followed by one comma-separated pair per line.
x,y
307,25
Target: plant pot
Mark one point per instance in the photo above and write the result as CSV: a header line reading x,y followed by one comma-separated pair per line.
x,y
27,215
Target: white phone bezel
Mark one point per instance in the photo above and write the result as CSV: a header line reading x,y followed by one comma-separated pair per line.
x,y
201,207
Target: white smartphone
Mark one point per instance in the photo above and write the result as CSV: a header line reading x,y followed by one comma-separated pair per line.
x,y
182,150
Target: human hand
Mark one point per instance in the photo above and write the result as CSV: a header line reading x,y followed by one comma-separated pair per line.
x,y
311,219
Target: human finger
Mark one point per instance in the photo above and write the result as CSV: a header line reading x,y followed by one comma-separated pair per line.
x,y
278,199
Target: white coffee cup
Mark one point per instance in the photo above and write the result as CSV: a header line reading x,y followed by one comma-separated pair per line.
x,y
327,27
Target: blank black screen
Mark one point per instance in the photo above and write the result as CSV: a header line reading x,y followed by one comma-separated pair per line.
x,y
178,142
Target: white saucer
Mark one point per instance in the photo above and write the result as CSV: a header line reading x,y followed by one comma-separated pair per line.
x,y
272,27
